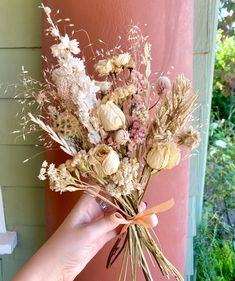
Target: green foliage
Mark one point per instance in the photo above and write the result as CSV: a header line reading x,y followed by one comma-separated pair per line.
x,y
220,172
223,100
215,256
226,16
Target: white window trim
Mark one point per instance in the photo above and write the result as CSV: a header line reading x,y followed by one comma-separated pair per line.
x,y
8,239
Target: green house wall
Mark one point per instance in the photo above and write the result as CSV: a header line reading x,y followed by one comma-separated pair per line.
x,y
23,194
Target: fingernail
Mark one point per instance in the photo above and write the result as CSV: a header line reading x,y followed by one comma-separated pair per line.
x,y
146,203
116,217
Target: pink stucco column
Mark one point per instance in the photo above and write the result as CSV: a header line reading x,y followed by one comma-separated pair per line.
x,y
169,25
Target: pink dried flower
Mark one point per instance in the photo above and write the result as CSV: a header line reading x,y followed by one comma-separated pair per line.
x,y
137,78
163,85
63,87
137,100
138,132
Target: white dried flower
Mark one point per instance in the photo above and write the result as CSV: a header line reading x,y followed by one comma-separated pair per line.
x,y
125,92
66,48
44,164
126,178
104,85
60,179
79,158
104,67
141,113
43,171
120,94
122,60
73,66
83,95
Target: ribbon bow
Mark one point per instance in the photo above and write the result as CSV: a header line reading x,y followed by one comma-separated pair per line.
x,y
146,218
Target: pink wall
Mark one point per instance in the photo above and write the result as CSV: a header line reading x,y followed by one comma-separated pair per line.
x,y
169,25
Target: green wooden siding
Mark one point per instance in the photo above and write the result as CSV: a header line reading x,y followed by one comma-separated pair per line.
x,y
205,26
20,24
23,193
11,62
10,113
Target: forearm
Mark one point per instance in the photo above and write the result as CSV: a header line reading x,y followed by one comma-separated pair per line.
x,y
42,266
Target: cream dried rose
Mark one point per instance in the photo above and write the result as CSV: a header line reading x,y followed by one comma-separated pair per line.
x,y
111,116
104,160
174,157
158,157
104,67
164,156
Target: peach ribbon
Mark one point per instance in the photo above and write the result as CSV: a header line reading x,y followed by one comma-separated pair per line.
x,y
146,218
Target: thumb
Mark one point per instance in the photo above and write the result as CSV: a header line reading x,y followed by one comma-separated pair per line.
x,y
104,225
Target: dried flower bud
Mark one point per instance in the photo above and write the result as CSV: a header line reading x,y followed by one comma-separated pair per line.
x,y
80,161
189,138
111,163
104,160
163,85
181,86
164,156
111,116
55,32
104,67
121,137
47,11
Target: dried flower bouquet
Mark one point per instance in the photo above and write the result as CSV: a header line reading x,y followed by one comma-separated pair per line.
x,y
118,131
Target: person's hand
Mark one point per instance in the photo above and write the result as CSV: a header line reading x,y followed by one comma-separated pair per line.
x,y
83,233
